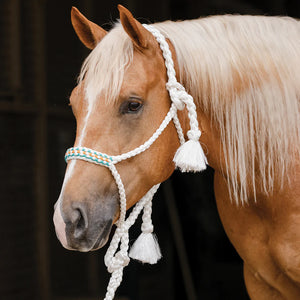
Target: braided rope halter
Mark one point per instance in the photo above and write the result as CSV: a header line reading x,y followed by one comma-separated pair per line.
x,y
189,157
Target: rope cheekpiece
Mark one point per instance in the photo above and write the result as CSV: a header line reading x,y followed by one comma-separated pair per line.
x,y
189,157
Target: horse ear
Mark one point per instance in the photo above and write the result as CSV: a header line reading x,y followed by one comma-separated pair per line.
x,y
88,32
136,31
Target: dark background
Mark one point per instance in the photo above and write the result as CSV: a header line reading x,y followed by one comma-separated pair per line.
x,y
40,58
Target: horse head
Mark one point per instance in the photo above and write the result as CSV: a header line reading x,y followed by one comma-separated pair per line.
x,y
114,117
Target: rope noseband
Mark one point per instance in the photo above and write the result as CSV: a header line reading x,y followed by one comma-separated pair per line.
x,y
189,157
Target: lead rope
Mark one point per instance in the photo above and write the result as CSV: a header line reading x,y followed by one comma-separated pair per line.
x,y
189,157
117,260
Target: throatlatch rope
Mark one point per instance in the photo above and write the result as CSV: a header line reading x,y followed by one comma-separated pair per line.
x,y
189,157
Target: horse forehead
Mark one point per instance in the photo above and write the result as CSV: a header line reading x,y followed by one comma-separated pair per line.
x,y
144,70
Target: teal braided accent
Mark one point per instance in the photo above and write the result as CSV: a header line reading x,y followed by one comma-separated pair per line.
x,y
88,155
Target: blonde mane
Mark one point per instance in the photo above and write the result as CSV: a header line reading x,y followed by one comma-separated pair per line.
x,y
243,71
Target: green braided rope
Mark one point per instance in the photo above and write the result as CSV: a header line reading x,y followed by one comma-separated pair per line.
x,y
88,155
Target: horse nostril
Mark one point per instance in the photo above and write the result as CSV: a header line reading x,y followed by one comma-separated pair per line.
x,y
80,223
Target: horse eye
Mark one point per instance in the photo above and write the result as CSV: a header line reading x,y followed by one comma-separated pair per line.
x,y
131,107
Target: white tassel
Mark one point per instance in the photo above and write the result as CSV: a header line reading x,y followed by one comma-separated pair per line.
x,y
146,249
190,157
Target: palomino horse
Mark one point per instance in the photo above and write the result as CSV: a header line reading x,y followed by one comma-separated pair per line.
x,y
243,73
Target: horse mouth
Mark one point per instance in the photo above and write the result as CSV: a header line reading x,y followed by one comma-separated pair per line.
x,y
103,237
93,241
85,234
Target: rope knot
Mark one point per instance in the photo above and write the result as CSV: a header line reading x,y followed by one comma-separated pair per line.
x,y
147,227
177,93
174,85
194,134
119,261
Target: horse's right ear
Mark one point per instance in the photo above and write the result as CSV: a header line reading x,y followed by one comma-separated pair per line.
x,y
88,32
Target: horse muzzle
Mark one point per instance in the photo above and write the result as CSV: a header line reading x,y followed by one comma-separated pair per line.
x,y
82,226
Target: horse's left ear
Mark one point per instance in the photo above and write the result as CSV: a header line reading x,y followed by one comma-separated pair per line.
x,y
140,36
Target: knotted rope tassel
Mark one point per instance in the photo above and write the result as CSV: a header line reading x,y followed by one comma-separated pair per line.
x,y
190,155
146,248
115,260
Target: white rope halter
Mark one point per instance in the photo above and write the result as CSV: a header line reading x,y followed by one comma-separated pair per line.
x,y
189,157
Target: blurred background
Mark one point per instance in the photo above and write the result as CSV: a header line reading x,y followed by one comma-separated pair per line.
x,y
40,58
